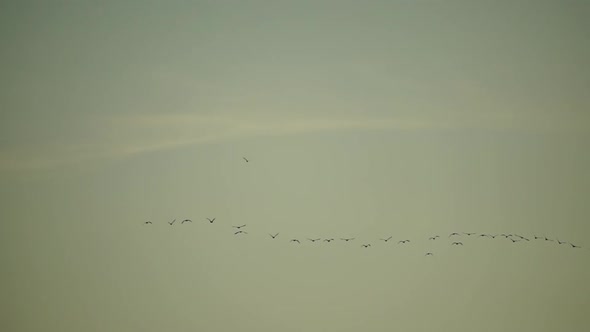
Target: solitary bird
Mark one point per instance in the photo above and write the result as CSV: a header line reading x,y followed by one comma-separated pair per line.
x,y
211,220
170,223
148,222
295,240
429,254
186,220
238,232
328,240
433,237
313,240
469,234
453,234
273,236
403,241
238,227
483,235
366,245
348,239
245,159
574,246
457,243
389,238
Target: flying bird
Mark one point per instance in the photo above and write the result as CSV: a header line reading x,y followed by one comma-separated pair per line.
x,y
245,159
328,240
186,220
389,238
457,243
348,239
429,254
433,237
546,239
561,242
513,240
170,223
538,238
273,236
453,234
403,241
148,222
211,220
295,240
238,232
238,227
313,240
469,234
574,246
366,245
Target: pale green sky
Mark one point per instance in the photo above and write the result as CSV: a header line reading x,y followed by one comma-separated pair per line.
x,y
360,119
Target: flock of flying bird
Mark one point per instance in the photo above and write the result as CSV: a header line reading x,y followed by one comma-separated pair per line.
x,y
512,237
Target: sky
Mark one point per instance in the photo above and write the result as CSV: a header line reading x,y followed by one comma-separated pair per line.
x,y
360,119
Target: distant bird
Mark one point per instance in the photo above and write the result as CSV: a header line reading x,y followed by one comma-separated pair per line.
x,y
429,254
295,240
561,242
538,238
170,223
521,237
273,236
211,220
238,227
493,236
242,232
457,243
403,241
328,240
574,246
469,234
504,235
348,239
366,245
513,240
313,240
546,239
454,234
148,222
433,237
245,159
186,220
389,238
483,235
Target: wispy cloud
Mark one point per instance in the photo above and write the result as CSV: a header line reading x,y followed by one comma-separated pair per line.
x,y
124,136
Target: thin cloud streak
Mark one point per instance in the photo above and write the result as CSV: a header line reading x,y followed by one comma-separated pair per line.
x,y
125,136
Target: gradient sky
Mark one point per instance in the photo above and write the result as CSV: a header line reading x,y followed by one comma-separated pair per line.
x,y
360,119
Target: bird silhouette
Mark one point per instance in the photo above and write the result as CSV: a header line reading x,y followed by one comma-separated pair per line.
x,y
273,236
240,232
211,220
429,254
348,239
186,220
547,239
148,222
245,159
457,243
389,238
238,227
403,241
433,237
295,240
574,246
469,234
513,240
483,235
366,245
328,240
538,238
170,223
455,233
561,242
313,240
